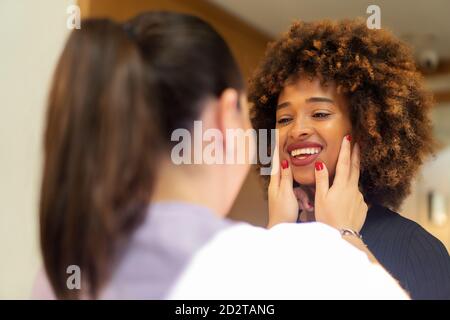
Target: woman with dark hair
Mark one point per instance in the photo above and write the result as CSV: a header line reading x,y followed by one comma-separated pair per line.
x,y
100,143
324,80
137,225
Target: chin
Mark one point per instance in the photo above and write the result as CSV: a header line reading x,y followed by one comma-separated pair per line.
x,y
304,178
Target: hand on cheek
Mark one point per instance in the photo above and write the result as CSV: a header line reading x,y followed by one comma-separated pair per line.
x,y
342,205
283,206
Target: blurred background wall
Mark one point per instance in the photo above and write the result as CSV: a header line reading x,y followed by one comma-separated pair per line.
x,y
33,33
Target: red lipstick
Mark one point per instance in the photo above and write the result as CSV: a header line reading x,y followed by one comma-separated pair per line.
x,y
303,159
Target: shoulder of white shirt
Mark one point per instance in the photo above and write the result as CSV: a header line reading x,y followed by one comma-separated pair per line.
x,y
288,261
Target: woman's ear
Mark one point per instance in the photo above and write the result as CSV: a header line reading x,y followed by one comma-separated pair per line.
x,y
229,112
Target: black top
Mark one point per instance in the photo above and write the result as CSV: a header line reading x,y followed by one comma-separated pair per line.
x,y
409,253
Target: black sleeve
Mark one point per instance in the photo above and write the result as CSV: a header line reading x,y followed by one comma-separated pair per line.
x,y
428,267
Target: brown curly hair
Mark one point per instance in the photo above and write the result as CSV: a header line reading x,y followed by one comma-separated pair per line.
x,y
377,74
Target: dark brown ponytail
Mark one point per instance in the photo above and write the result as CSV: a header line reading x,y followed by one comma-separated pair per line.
x,y
100,150
110,116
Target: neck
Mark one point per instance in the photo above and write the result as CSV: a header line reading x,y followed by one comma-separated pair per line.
x,y
310,191
193,184
307,216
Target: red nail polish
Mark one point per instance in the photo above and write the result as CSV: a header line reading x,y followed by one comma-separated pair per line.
x,y
284,164
309,204
318,165
349,137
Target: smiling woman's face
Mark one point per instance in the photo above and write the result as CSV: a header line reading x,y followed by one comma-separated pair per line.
x,y
312,120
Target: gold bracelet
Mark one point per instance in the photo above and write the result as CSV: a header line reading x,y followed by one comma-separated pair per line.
x,y
345,232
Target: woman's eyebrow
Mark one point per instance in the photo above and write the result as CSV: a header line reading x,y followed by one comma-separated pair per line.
x,y
283,105
319,99
312,99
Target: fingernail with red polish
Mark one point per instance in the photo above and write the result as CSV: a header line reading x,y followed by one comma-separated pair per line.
x,y
284,164
319,165
349,137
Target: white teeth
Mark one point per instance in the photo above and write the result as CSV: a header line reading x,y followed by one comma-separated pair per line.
x,y
304,151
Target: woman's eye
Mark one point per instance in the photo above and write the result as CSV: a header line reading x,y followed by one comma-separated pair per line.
x,y
284,120
321,115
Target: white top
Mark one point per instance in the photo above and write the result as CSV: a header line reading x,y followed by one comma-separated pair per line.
x,y
184,251
289,261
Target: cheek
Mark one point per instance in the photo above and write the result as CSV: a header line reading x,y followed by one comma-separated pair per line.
x,y
282,140
333,137
330,158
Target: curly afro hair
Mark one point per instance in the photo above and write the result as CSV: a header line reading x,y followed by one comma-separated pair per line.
x,y
377,74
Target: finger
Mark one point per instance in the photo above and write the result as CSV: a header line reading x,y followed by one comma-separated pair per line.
x,y
286,177
355,165
322,183
275,170
343,163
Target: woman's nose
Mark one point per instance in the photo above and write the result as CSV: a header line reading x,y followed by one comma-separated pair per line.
x,y
301,129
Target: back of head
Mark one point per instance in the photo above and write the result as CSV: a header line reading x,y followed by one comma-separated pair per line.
x,y
186,62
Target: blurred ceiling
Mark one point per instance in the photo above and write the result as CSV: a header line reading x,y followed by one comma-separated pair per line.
x,y
424,24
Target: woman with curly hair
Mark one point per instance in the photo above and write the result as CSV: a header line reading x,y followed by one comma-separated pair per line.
x,y
325,80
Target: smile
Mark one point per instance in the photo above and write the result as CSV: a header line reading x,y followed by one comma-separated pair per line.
x,y
303,154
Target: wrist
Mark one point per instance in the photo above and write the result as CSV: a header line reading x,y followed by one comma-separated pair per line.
x,y
347,232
